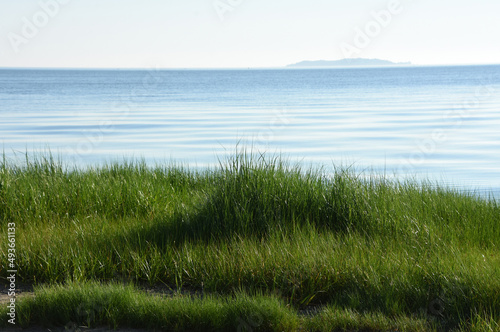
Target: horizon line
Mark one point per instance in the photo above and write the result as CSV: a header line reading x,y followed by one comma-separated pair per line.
x,y
287,67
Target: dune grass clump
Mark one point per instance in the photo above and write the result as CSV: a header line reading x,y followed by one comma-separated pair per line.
x,y
364,251
94,305
256,197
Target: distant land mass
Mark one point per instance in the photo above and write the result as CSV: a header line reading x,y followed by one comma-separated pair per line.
x,y
347,63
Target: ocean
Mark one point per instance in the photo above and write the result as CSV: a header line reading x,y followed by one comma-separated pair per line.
x,y
435,123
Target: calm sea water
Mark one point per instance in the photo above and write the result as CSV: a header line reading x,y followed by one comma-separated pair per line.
x,y
441,123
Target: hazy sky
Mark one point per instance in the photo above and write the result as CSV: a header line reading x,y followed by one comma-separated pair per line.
x,y
245,33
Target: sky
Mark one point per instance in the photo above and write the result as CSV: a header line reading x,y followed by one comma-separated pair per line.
x,y
244,33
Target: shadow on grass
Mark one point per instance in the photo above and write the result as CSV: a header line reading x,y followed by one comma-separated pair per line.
x,y
251,199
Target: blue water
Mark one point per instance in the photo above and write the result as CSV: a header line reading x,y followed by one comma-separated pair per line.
x,y
440,123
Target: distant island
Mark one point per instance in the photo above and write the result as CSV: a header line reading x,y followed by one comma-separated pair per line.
x,y
347,63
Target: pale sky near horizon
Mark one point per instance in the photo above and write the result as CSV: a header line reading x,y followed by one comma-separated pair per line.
x,y
244,33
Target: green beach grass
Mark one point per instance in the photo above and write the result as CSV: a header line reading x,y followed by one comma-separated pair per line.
x,y
255,244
